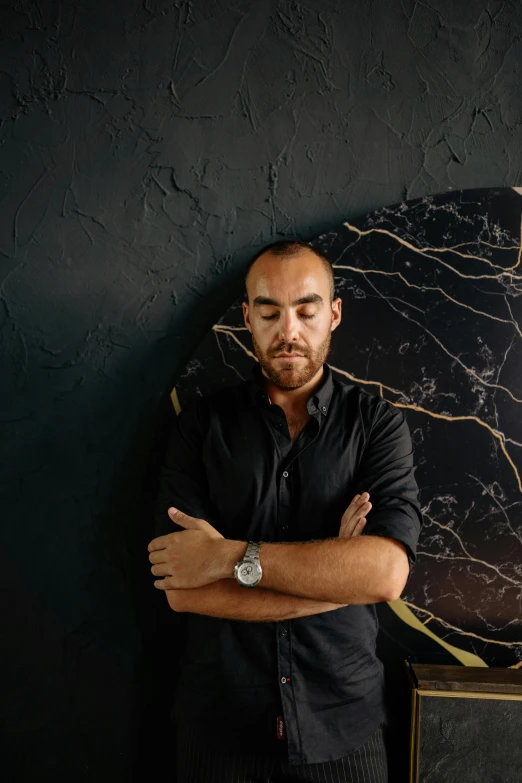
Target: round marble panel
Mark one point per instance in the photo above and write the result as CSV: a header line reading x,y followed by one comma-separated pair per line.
x,y
431,320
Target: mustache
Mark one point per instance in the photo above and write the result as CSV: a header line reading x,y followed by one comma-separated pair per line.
x,y
293,350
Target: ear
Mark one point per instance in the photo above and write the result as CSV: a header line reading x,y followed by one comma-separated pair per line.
x,y
246,316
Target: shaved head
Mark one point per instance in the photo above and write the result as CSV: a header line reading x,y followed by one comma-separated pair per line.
x,y
287,248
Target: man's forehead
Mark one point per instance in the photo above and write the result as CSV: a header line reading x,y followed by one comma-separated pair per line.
x,y
310,298
288,280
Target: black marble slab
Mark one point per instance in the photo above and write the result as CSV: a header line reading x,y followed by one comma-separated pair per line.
x,y
432,321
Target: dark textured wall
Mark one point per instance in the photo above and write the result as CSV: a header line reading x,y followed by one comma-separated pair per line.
x,y
146,150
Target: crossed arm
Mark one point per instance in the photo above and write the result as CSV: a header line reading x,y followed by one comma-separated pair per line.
x,y
299,579
336,572
229,600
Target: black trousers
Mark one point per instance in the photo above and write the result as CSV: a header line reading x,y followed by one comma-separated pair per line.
x,y
199,763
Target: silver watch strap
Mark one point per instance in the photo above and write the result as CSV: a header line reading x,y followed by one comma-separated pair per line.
x,y
252,551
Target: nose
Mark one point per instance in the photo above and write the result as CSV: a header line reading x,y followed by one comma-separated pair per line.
x,y
289,332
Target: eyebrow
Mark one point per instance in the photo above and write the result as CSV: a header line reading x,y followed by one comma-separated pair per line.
x,y
308,299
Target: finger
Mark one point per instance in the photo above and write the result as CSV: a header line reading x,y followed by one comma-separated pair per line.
x,y
185,520
167,583
352,514
357,508
180,518
358,499
360,527
175,513
158,543
352,529
158,556
161,569
348,526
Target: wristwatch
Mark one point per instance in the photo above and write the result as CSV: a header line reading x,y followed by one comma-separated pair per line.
x,y
248,571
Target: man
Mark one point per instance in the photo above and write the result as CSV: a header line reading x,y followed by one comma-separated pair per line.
x,y
281,682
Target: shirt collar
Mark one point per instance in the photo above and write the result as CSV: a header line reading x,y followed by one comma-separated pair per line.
x,y
320,397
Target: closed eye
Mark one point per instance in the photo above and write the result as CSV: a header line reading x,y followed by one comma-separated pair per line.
x,y
269,317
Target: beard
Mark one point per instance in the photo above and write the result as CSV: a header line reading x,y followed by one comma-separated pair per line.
x,y
290,376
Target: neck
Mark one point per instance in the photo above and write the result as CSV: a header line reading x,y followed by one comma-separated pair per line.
x,y
293,398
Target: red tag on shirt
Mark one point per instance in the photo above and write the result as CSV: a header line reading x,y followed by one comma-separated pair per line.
x,y
280,728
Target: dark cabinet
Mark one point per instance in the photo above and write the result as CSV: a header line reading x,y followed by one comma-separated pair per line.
x,y
466,724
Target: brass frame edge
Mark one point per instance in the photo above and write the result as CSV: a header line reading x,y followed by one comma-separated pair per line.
x,y
414,727
471,695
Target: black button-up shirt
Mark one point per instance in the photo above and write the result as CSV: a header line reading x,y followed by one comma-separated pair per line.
x,y
230,460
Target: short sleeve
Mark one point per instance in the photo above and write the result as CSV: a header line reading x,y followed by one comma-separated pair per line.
x,y
182,479
387,471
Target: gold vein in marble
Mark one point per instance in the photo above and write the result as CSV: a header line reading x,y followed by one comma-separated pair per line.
x,y
423,288
483,242
405,614
425,251
175,400
438,556
496,434
479,258
446,350
451,627
500,436
469,556
229,330
496,501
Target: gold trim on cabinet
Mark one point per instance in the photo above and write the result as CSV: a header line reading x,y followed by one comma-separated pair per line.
x,y
414,737
470,695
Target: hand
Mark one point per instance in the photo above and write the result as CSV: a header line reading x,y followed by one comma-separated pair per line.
x,y
187,558
354,518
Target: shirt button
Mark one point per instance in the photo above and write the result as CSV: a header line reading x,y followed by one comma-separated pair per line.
x,y
285,474
283,632
283,680
324,407
284,527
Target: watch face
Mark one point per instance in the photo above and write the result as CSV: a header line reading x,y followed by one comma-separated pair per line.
x,y
249,573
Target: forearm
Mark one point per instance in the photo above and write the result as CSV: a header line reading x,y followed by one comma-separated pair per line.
x,y
362,570
231,601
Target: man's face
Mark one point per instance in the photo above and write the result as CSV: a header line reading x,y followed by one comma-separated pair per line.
x,y
280,323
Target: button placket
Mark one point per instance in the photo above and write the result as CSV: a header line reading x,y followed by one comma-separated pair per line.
x,y
285,501
285,482
285,686
284,646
